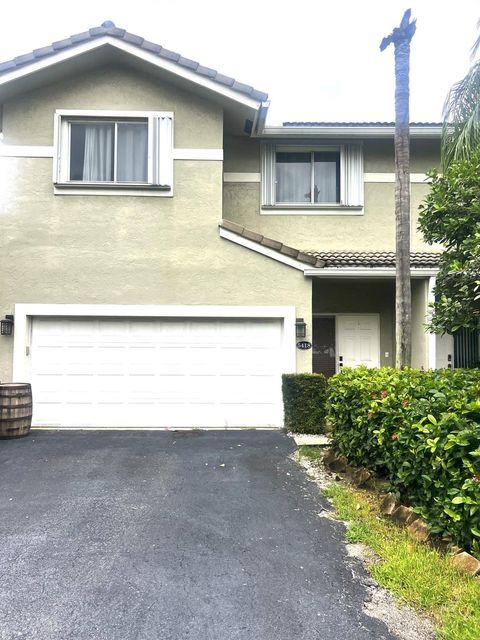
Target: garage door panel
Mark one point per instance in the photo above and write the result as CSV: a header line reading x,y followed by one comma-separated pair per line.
x,y
156,372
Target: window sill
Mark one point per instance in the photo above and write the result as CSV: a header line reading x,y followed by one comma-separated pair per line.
x,y
99,189
311,210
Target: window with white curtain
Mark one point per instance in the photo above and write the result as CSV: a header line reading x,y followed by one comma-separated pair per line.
x,y
123,149
298,175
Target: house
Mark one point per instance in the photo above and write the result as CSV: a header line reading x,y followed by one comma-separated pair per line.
x,y
166,255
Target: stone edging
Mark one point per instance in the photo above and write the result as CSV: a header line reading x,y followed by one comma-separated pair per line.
x,y
402,515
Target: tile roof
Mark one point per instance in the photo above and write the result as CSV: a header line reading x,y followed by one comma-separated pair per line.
x,y
108,28
296,254
420,259
335,259
358,124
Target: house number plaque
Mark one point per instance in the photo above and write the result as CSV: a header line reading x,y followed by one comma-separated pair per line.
x,y
303,345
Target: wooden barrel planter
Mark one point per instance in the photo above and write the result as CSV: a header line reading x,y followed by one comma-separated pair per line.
x,y
15,409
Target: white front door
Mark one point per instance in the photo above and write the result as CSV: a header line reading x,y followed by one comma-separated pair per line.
x,y
358,341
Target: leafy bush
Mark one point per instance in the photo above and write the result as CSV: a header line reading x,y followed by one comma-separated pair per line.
x,y
304,402
421,430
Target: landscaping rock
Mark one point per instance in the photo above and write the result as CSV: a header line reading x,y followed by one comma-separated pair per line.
x,y
419,530
339,464
404,515
361,476
388,504
329,456
467,563
378,484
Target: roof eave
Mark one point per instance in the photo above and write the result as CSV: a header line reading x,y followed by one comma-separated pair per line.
x,y
8,78
367,272
363,132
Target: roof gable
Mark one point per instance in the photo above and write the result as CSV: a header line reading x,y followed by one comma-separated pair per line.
x,y
108,35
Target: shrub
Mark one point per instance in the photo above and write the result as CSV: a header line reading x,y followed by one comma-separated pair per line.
x,y
304,402
421,430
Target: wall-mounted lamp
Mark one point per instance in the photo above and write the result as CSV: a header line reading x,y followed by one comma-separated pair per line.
x,y
6,326
300,328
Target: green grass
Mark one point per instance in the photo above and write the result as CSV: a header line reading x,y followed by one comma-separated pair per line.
x,y
415,573
312,453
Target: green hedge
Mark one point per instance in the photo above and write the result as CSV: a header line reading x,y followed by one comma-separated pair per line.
x,y
304,402
421,430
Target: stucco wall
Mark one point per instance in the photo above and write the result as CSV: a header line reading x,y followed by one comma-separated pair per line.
x,y
419,334
374,230
28,119
123,249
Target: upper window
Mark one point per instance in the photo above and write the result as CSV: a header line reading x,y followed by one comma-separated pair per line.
x,y
307,177
123,149
301,176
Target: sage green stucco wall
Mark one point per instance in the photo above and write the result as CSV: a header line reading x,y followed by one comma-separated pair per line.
x,y
419,334
374,230
28,119
124,249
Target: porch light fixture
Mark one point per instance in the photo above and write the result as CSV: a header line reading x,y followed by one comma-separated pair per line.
x,y
6,326
300,328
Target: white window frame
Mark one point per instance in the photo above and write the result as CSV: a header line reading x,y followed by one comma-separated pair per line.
x,y
160,153
351,180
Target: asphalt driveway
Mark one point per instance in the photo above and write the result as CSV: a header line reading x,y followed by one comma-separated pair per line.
x,y
170,536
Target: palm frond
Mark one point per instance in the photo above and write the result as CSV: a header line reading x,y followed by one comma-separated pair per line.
x,y
461,117
476,45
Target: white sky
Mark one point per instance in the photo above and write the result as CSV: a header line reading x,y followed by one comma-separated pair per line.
x,y
318,60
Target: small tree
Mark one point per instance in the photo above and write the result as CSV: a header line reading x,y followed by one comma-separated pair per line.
x,y
450,216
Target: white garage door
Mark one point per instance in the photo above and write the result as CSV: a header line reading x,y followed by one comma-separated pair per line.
x,y
156,372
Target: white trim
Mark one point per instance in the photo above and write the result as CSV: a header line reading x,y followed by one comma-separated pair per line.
x,y
258,248
198,154
432,337
311,210
25,151
137,52
390,177
362,272
232,176
160,154
321,272
68,190
338,131
25,312
110,113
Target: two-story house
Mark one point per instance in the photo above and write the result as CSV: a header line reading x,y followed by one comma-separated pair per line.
x,y
164,252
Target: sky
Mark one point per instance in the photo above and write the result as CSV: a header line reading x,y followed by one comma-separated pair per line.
x,y
317,60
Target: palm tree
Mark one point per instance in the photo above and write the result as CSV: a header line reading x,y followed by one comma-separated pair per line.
x,y
401,37
461,114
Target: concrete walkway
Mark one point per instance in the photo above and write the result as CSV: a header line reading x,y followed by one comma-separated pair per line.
x,y
170,536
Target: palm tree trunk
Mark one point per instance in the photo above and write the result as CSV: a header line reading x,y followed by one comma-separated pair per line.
x,y
403,295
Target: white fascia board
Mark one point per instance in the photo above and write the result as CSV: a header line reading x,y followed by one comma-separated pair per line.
x,y
136,52
347,132
361,272
258,248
